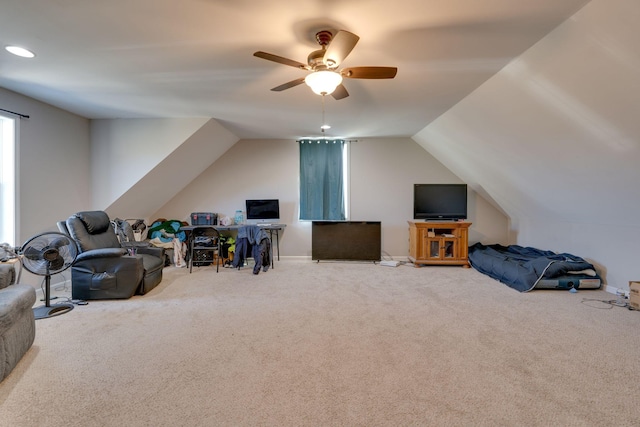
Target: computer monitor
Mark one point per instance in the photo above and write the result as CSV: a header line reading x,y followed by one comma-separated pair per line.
x,y
262,210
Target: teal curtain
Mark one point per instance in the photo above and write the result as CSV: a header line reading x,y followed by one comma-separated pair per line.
x,y
321,179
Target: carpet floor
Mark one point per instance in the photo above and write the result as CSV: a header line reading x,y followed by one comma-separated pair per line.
x,y
332,344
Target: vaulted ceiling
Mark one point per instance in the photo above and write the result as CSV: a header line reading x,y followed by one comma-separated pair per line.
x,y
194,58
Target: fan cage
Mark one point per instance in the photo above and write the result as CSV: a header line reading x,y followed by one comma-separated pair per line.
x,y
46,244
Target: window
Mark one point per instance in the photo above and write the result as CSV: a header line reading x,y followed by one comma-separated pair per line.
x,y
7,180
323,179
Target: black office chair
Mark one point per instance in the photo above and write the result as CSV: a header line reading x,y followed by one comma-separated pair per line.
x,y
203,241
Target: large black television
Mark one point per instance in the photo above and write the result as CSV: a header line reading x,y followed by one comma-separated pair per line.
x,y
346,240
262,210
446,202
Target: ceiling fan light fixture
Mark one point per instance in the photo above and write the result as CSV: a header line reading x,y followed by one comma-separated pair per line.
x,y
323,82
325,78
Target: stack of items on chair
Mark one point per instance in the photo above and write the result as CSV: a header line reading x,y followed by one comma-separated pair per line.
x,y
255,241
165,233
205,247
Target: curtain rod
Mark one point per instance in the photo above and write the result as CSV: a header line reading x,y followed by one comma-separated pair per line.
x,y
24,116
322,138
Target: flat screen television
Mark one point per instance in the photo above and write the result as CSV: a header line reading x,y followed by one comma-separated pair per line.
x,y
346,240
447,202
262,210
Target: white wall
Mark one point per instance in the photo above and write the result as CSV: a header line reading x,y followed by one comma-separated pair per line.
x,y
53,168
53,164
383,172
554,140
139,164
57,155
124,151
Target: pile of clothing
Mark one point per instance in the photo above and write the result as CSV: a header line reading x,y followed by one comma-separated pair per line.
x,y
166,233
252,240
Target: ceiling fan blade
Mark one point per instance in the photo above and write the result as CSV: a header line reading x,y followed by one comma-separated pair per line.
x,y
341,45
369,72
280,60
340,92
288,85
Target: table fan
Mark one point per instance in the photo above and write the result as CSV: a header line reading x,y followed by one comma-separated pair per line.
x,y
44,255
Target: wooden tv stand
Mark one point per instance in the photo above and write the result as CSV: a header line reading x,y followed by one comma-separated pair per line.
x,y
439,243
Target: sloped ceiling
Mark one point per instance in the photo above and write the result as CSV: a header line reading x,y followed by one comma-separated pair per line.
x,y
193,58
554,139
555,134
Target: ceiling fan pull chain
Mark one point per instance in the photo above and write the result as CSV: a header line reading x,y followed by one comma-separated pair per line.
x,y
324,126
323,122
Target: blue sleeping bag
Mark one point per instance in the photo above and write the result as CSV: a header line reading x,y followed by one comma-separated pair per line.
x,y
522,267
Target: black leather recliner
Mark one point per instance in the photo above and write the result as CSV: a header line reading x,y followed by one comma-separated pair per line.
x,y
103,268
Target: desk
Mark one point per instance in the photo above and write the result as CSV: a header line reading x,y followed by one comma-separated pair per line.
x,y
271,228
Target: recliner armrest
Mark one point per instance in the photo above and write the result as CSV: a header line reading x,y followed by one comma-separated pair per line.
x,y
136,245
14,301
7,275
111,262
101,253
151,250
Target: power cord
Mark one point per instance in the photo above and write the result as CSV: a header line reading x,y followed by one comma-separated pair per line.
x,y
609,304
62,287
64,298
43,290
75,301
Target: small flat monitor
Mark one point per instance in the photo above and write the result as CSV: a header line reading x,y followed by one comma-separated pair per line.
x,y
262,211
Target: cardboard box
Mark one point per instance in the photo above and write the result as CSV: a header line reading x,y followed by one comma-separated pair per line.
x,y
634,295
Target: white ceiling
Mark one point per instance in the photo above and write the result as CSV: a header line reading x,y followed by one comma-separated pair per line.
x,y
194,58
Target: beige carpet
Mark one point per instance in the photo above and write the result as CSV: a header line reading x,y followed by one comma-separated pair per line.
x,y
332,344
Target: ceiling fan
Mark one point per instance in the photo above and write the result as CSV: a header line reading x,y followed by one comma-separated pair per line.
x,y
325,78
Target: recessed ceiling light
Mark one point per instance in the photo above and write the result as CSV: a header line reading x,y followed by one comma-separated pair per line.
x,y
20,51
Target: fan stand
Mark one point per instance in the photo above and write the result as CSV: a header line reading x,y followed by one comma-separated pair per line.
x,y
48,310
